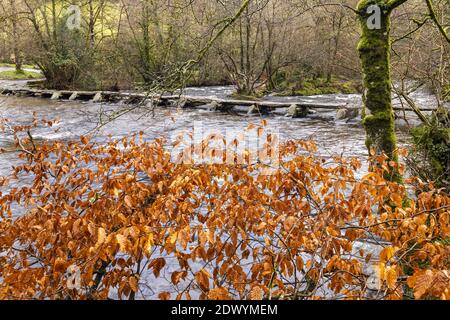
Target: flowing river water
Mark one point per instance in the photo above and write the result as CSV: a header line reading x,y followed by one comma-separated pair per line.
x,y
76,118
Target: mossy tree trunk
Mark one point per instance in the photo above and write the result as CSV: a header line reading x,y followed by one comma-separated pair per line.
x,y
374,50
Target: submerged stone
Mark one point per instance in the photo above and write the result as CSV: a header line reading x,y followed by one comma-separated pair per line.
x,y
213,106
346,113
341,114
296,111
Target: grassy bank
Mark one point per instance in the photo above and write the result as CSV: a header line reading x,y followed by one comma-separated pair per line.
x,y
311,87
24,66
20,75
301,86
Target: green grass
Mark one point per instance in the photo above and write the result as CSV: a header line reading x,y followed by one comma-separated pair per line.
x,y
20,75
25,66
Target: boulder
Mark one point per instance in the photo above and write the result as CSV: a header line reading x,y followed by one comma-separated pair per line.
x,y
291,111
341,114
296,111
347,113
213,106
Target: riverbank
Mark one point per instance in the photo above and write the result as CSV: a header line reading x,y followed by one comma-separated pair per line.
x,y
295,86
306,87
318,86
24,66
28,72
20,75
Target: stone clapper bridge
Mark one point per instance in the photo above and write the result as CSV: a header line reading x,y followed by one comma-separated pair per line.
x,y
294,109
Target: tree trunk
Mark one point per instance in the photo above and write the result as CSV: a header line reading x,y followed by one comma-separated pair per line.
x,y
336,43
374,50
15,36
91,26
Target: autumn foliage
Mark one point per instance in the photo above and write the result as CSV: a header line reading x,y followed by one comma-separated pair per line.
x,y
137,226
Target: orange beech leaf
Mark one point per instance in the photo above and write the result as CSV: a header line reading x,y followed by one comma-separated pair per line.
x,y
149,243
299,263
116,192
128,201
184,236
202,278
133,283
177,276
391,277
101,236
423,281
122,241
59,265
218,294
289,223
173,238
92,229
387,253
84,140
157,265
256,293
261,226
164,295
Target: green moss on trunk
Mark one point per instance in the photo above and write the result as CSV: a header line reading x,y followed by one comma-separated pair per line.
x,y
374,51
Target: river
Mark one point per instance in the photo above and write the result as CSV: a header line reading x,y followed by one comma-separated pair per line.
x,y
334,137
76,118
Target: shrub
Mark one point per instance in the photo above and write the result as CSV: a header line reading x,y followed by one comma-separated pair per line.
x,y
136,225
430,156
